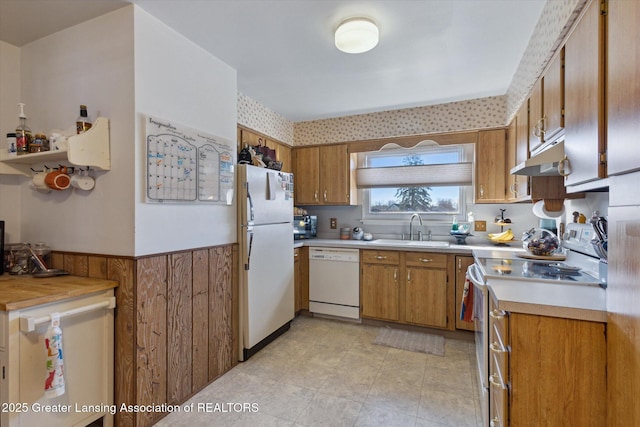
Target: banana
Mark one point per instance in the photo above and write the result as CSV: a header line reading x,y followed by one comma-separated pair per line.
x,y
505,235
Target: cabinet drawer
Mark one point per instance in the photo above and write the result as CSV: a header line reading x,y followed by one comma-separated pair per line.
x,y
498,326
498,410
426,259
380,257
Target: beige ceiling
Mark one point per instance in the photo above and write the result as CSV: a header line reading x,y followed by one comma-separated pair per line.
x,y
430,51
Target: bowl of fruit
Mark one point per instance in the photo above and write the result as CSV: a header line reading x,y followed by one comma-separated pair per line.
x,y
540,242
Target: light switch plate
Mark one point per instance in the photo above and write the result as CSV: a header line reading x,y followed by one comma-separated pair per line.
x,y
480,225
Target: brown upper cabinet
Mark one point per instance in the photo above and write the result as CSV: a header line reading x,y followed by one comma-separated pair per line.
x,y
521,190
491,163
623,87
518,152
585,98
546,104
283,151
324,175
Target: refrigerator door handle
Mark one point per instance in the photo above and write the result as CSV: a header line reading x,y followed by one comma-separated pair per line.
x,y
251,211
247,264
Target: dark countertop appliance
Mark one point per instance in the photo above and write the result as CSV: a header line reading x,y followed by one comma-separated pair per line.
x,y
305,226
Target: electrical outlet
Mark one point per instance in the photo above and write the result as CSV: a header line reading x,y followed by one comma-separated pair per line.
x,y
480,225
333,223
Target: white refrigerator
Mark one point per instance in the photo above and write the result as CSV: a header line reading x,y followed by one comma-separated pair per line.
x,y
265,207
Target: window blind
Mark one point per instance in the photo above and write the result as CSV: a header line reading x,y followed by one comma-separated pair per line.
x,y
415,175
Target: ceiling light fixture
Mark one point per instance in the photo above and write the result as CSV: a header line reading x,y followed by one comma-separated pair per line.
x,y
356,35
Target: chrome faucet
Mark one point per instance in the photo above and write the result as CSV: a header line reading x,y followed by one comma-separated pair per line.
x,y
411,226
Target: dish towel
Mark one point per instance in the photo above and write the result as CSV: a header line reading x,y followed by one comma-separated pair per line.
x,y
54,382
466,309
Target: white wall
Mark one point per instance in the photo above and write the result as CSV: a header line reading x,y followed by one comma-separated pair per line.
x,y
179,81
122,65
9,98
91,63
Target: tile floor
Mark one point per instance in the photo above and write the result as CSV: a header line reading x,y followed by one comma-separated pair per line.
x,y
328,373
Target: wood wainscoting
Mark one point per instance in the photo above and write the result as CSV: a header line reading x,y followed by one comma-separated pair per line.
x,y
176,323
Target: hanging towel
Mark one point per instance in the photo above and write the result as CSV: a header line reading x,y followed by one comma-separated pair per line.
x,y
54,382
466,309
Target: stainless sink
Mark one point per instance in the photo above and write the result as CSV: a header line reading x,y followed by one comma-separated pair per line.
x,y
417,243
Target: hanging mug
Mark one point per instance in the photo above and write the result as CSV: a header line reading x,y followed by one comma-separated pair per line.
x,y
59,179
82,181
38,182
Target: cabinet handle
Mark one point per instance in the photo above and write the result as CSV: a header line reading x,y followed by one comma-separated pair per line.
x,y
459,263
379,257
564,167
315,195
495,383
514,190
496,348
395,275
494,422
295,255
538,129
481,191
425,260
496,314
408,275
325,195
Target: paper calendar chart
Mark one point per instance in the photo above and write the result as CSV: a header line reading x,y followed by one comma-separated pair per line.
x,y
186,165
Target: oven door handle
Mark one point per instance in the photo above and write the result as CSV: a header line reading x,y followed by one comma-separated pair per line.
x,y
472,273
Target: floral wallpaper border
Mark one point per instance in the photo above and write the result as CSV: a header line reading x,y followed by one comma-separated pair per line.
x,y
555,21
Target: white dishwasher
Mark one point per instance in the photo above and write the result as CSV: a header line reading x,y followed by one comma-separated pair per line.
x,y
334,282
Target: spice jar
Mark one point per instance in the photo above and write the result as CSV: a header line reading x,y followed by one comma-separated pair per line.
x,y
345,233
11,144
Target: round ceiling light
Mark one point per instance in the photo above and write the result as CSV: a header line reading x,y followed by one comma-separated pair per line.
x,y
356,35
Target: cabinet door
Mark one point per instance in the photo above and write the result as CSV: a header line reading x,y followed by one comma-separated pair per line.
x,y
522,149
306,175
510,154
535,116
557,371
426,297
462,263
623,87
553,98
584,85
334,174
297,279
249,138
490,166
380,291
283,154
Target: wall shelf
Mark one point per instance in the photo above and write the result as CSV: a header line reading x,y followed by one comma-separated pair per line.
x,y
87,149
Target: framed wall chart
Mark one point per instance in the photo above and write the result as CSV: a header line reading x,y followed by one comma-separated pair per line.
x,y
186,165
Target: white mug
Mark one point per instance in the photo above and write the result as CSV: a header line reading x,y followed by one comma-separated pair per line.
x,y
38,182
82,182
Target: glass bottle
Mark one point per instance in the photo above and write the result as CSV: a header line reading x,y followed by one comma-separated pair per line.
x,y
83,122
23,133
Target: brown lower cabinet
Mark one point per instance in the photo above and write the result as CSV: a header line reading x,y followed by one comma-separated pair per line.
x,y
301,278
406,287
462,263
175,323
546,370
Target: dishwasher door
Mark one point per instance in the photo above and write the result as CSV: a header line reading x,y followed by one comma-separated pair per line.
x,y
334,282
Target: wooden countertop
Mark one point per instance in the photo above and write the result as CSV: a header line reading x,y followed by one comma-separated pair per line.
x,y
18,292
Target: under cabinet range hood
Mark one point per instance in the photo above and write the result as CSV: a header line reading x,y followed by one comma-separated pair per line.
x,y
544,163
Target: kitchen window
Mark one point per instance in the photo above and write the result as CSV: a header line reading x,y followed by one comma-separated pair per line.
x,y
428,179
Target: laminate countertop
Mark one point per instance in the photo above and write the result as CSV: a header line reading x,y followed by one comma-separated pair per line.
x,y
545,298
401,245
23,291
